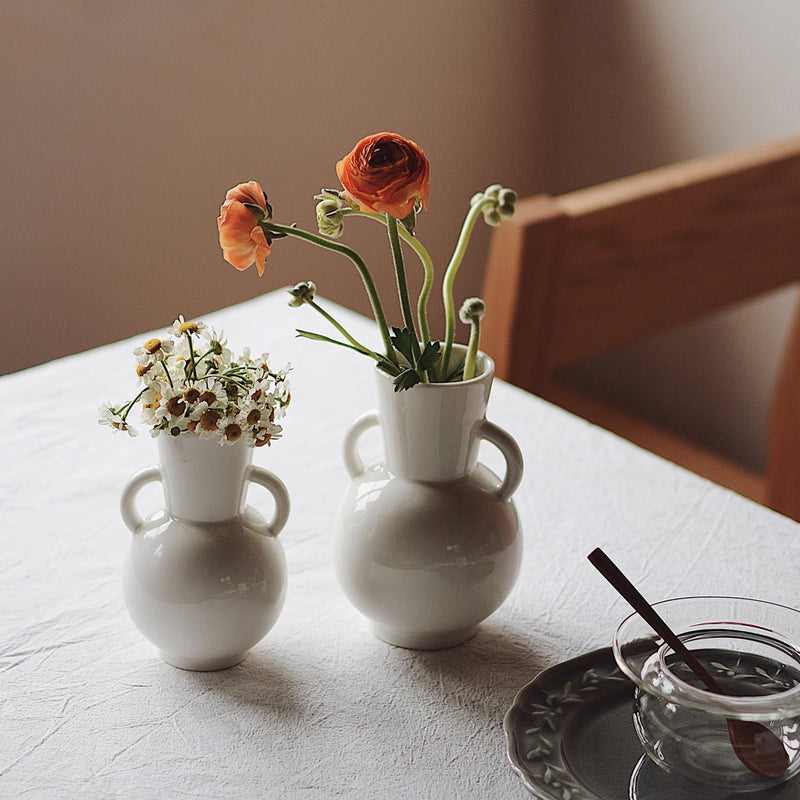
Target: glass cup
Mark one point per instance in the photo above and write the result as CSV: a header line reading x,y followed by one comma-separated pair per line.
x,y
751,648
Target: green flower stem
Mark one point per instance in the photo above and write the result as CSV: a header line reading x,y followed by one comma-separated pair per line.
x,y
427,284
369,285
472,349
450,277
128,406
166,372
203,357
360,347
402,288
192,361
427,264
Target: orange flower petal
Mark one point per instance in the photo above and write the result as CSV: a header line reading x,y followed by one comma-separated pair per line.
x,y
250,192
262,249
242,241
386,173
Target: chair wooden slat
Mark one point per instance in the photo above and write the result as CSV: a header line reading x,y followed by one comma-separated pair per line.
x,y
573,276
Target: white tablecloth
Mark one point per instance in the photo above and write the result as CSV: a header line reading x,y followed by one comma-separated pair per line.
x,y
319,708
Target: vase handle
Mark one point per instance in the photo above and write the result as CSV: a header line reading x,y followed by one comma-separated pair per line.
x,y
127,502
276,487
506,444
352,459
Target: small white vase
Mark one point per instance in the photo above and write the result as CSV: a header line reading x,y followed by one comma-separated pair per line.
x,y
205,579
427,542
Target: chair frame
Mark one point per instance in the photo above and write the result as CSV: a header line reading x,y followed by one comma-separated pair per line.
x,y
576,275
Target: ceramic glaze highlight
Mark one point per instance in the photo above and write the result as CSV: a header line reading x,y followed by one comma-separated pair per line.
x,y
205,579
427,542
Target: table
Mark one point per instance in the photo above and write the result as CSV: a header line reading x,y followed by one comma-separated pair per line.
x,y
319,708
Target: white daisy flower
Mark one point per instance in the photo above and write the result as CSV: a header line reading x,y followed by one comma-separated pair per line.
x,y
217,342
267,433
231,431
282,374
172,427
208,423
154,350
150,403
212,394
192,385
182,326
108,416
172,404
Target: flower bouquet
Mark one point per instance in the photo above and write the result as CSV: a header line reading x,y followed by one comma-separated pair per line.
x,y
190,383
384,178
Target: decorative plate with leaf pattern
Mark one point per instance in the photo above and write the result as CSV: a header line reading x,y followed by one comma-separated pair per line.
x,y
547,727
570,736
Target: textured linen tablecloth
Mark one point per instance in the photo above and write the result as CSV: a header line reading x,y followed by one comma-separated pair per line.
x,y
319,708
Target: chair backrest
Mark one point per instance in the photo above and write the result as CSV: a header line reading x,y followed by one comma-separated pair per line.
x,y
573,276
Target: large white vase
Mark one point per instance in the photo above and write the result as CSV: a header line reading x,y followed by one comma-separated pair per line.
x,y
204,579
427,541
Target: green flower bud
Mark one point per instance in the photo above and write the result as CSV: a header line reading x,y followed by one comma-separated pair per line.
x,y
491,216
503,207
507,196
472,310
303,292
506,200
330,219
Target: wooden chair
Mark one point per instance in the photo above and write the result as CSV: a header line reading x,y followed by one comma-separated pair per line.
x,y
570,277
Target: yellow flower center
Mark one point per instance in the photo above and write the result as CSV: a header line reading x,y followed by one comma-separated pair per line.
x,y
152,345
188,327
156,403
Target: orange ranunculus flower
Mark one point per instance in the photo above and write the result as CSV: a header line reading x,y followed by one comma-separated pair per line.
x,y
242,240
386,173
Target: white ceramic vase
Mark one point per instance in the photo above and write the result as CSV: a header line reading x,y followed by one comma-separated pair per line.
x,y
204,579
427,542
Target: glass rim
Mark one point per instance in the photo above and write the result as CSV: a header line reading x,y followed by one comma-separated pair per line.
x,y
752,707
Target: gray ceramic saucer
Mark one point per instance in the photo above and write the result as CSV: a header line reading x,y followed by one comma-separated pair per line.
x,y
570,736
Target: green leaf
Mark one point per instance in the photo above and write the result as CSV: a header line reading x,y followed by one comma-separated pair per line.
x,y
456,374
403,343
406,379
388,367
327,194
429,356
318,337
410,222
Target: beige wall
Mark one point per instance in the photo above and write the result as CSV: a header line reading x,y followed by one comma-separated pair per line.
x,y
640,83
125,123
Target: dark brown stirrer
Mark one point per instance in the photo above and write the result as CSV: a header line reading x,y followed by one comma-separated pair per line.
x,y
756,746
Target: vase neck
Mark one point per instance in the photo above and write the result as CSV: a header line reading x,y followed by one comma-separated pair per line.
x,y
203,480
430,432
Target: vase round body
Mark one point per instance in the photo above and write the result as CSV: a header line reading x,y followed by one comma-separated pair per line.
x,y
204,579
427,542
